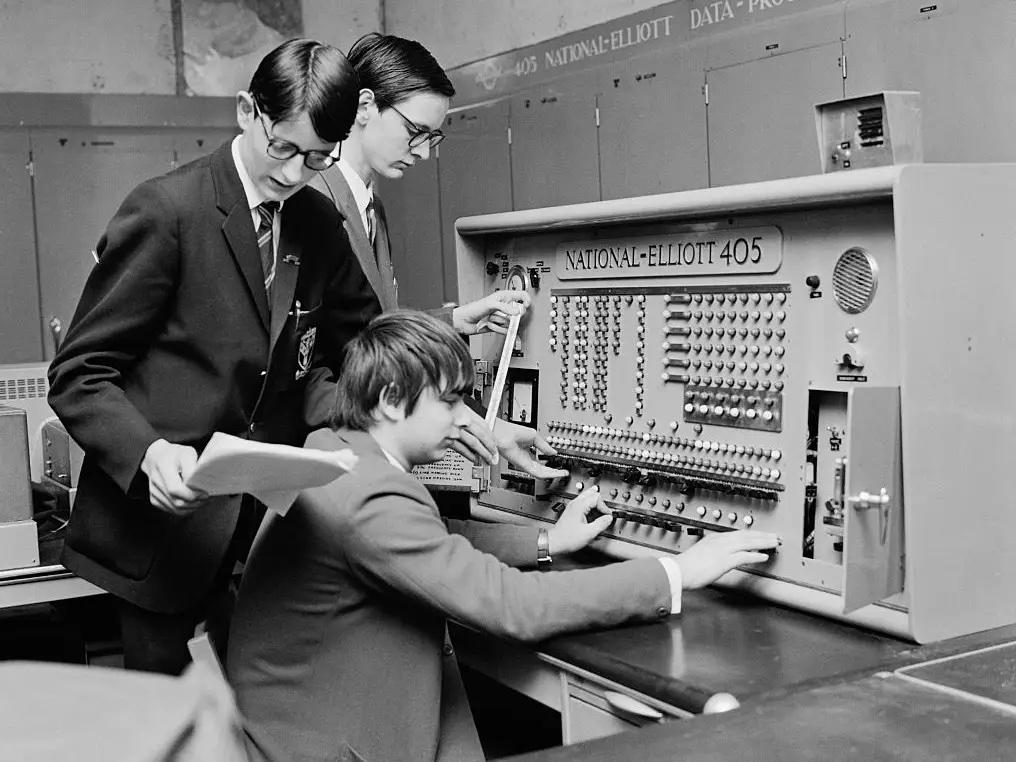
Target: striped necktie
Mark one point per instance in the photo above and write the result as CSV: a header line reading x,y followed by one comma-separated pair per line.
x,y
371,213
266,248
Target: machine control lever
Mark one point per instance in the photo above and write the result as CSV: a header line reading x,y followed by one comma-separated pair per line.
x,y
864,501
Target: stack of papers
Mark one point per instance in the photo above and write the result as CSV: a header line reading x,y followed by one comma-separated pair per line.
x,y
273,473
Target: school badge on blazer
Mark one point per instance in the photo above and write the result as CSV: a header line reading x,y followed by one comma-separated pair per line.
x,y
305,352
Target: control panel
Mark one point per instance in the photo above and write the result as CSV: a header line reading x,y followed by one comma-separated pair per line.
x,y
795,356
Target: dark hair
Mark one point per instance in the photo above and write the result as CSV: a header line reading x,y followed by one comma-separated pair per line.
x,y
396,68
308,76
406,351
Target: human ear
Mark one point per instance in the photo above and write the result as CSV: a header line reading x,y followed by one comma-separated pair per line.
x,y
244,109
386,409
363,108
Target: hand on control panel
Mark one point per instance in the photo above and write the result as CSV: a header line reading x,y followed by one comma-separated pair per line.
x,y
572,531
516,444
716,554
491,313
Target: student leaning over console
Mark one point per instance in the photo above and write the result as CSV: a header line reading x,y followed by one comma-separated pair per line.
x,y
339,645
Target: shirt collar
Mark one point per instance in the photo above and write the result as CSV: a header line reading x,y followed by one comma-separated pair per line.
x,y
362,193
254,196
392,459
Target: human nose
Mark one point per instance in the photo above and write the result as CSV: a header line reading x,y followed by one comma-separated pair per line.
x,y
422,151
461,414
294,170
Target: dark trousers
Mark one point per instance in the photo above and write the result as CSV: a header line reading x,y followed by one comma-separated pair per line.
x,y
157,642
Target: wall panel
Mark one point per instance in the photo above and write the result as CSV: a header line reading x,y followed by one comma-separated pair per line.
x,y
19,307
474,169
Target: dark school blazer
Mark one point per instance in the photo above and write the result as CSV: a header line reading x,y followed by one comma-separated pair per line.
x,y
173,338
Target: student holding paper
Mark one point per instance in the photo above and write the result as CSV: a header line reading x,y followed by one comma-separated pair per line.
x,y
201,315
339,646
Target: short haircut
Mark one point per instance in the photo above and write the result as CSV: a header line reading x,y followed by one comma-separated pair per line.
x,y
406,351
395,68
305,76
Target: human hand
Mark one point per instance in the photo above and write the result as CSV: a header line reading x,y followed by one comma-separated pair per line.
x,y
516,444
477,440
167,467
572,531
713,556
491,313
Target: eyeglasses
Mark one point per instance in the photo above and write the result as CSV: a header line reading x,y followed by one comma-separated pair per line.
x,y
419,135
283,149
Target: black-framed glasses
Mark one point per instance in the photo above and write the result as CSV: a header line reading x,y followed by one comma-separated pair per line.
x,y
419,135
283,149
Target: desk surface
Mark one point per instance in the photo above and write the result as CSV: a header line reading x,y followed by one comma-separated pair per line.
x,y
871,718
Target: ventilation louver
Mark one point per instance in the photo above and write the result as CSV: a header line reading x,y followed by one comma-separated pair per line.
x,y
855,279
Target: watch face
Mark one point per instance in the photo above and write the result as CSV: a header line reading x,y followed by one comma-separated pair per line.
x,y
518,279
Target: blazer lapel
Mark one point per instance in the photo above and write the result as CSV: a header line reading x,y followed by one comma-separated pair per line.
x,y
238,227
287,271
390,296
358,240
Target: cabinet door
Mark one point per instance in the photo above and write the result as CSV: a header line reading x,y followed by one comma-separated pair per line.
x,y
19,309
762,114
474,174
554,144
414,225
81,177
958,55
652,136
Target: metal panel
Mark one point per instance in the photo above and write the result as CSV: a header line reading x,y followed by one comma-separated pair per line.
x,y
19,308
414,224
474,172
874,504
762,118
652,136
554,144
81,177
958,55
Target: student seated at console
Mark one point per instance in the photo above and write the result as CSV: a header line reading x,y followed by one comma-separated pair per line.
x,y
339,646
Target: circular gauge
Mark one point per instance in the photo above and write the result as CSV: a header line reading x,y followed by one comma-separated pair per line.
x,y
518,279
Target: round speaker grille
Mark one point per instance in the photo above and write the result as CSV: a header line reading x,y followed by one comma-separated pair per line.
x,y
855,279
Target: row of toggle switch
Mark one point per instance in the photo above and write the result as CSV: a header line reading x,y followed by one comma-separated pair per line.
x,y
648,437
653,517
671,459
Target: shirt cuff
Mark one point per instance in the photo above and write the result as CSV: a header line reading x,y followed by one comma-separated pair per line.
x,y
673,570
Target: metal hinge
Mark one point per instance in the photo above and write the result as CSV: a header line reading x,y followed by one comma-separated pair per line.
x,y
705,92
597,116
509,135
30,167
843,65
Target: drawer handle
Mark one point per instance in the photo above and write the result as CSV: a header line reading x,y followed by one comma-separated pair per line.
x,y
627,704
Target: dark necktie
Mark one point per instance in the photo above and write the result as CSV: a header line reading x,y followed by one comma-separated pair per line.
x,y
372,224
266,248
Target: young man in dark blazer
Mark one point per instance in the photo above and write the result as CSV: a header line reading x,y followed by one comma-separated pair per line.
x,y
404,96
202,315
339,646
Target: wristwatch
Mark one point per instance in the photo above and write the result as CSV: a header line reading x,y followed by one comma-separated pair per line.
x,y
543,559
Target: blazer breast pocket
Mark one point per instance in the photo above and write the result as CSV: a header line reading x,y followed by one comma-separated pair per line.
x,y
300,338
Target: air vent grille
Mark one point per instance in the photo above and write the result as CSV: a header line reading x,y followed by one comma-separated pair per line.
x,y
870,129
22,388
855,279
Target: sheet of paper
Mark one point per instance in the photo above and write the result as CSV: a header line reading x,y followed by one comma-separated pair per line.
x,y
273,473
502,369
